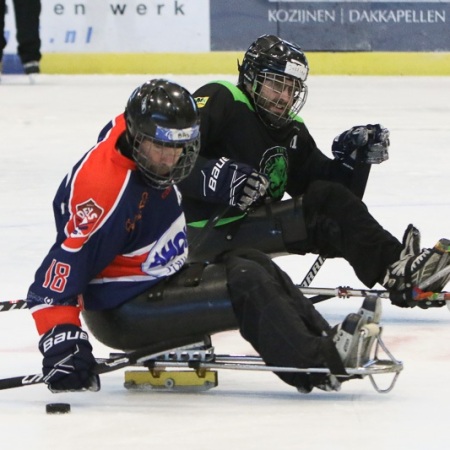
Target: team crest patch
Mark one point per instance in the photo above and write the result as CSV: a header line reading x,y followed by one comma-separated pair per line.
x,y
86,218
201,101
274,164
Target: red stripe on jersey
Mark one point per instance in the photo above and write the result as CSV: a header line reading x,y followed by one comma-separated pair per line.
x,y
124,266
97,187
49,317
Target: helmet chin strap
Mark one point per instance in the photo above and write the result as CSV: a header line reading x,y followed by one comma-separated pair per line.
x,y
124,146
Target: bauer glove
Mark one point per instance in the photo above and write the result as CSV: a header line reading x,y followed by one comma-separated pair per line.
x,y
68,361
237,184
373,140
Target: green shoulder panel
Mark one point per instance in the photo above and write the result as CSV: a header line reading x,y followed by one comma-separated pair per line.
x,y
237,94
298,119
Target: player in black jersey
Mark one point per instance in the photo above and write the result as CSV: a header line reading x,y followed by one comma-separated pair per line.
x,y
255,149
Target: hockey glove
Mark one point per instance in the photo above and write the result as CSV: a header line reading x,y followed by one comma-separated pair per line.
x,y
68,360
373,140
226,181
254,188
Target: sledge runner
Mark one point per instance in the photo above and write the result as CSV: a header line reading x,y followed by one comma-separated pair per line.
x,y
255,148
119,258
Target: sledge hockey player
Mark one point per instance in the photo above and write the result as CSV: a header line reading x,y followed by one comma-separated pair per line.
x,y
119,258
255,148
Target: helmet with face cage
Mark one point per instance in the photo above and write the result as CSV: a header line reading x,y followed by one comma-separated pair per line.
x,y
283,68
165,114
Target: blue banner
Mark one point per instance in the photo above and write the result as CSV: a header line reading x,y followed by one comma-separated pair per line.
x,y
333,26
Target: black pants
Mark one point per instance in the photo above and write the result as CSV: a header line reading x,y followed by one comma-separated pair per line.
x,y
274,316
328,220
246,291
27,14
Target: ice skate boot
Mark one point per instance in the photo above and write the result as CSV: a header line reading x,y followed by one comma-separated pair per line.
x,y
413,278
353,340
31,69
371,309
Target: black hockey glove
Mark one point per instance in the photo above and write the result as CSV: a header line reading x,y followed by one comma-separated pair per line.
x,y
373,140
68,360
236,184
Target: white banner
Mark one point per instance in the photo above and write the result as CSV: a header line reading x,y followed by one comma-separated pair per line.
x,y
119,26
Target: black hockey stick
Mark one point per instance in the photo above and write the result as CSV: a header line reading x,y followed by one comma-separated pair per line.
x,y
312,272
210,224
10,305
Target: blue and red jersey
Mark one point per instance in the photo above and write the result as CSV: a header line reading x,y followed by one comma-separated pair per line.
x,y
116,237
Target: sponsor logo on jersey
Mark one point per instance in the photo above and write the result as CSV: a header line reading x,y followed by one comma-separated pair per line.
x,y
168,255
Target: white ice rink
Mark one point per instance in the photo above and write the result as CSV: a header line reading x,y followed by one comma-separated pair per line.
x,y
44,130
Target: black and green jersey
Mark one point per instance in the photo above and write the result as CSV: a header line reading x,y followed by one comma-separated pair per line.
x,y
230,128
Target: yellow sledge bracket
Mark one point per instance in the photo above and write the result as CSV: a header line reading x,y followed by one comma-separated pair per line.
x,y
171,380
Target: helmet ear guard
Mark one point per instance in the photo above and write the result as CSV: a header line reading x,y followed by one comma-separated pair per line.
x,y
287,65
163,116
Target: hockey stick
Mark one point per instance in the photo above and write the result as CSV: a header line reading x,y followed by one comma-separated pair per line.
x,y
10,305
420,294
210,224
103,366
347,292
312,272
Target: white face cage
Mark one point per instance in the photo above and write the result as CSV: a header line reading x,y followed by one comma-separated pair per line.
x,y
278,98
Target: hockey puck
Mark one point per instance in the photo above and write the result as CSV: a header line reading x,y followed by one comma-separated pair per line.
x,y
57,408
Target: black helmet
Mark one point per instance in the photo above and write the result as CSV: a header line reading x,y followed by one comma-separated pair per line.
x,y
282,65
165,114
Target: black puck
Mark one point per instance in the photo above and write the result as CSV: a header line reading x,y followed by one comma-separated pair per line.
x,y
57,408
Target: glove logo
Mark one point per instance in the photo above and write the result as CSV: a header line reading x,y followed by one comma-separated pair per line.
x,y
215,173
274,164
64,336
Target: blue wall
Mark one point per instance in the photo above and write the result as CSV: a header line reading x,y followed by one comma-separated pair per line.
x,y
333,26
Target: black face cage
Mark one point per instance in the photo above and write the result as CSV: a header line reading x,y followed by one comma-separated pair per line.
x,y
288,95
177,173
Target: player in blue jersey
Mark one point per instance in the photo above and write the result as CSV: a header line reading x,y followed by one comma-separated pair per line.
x,y
119,260
120,226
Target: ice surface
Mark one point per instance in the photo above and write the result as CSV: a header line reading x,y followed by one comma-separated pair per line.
x,y
46,127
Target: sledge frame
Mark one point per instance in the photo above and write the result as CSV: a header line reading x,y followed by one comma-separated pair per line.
x,y
202,359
